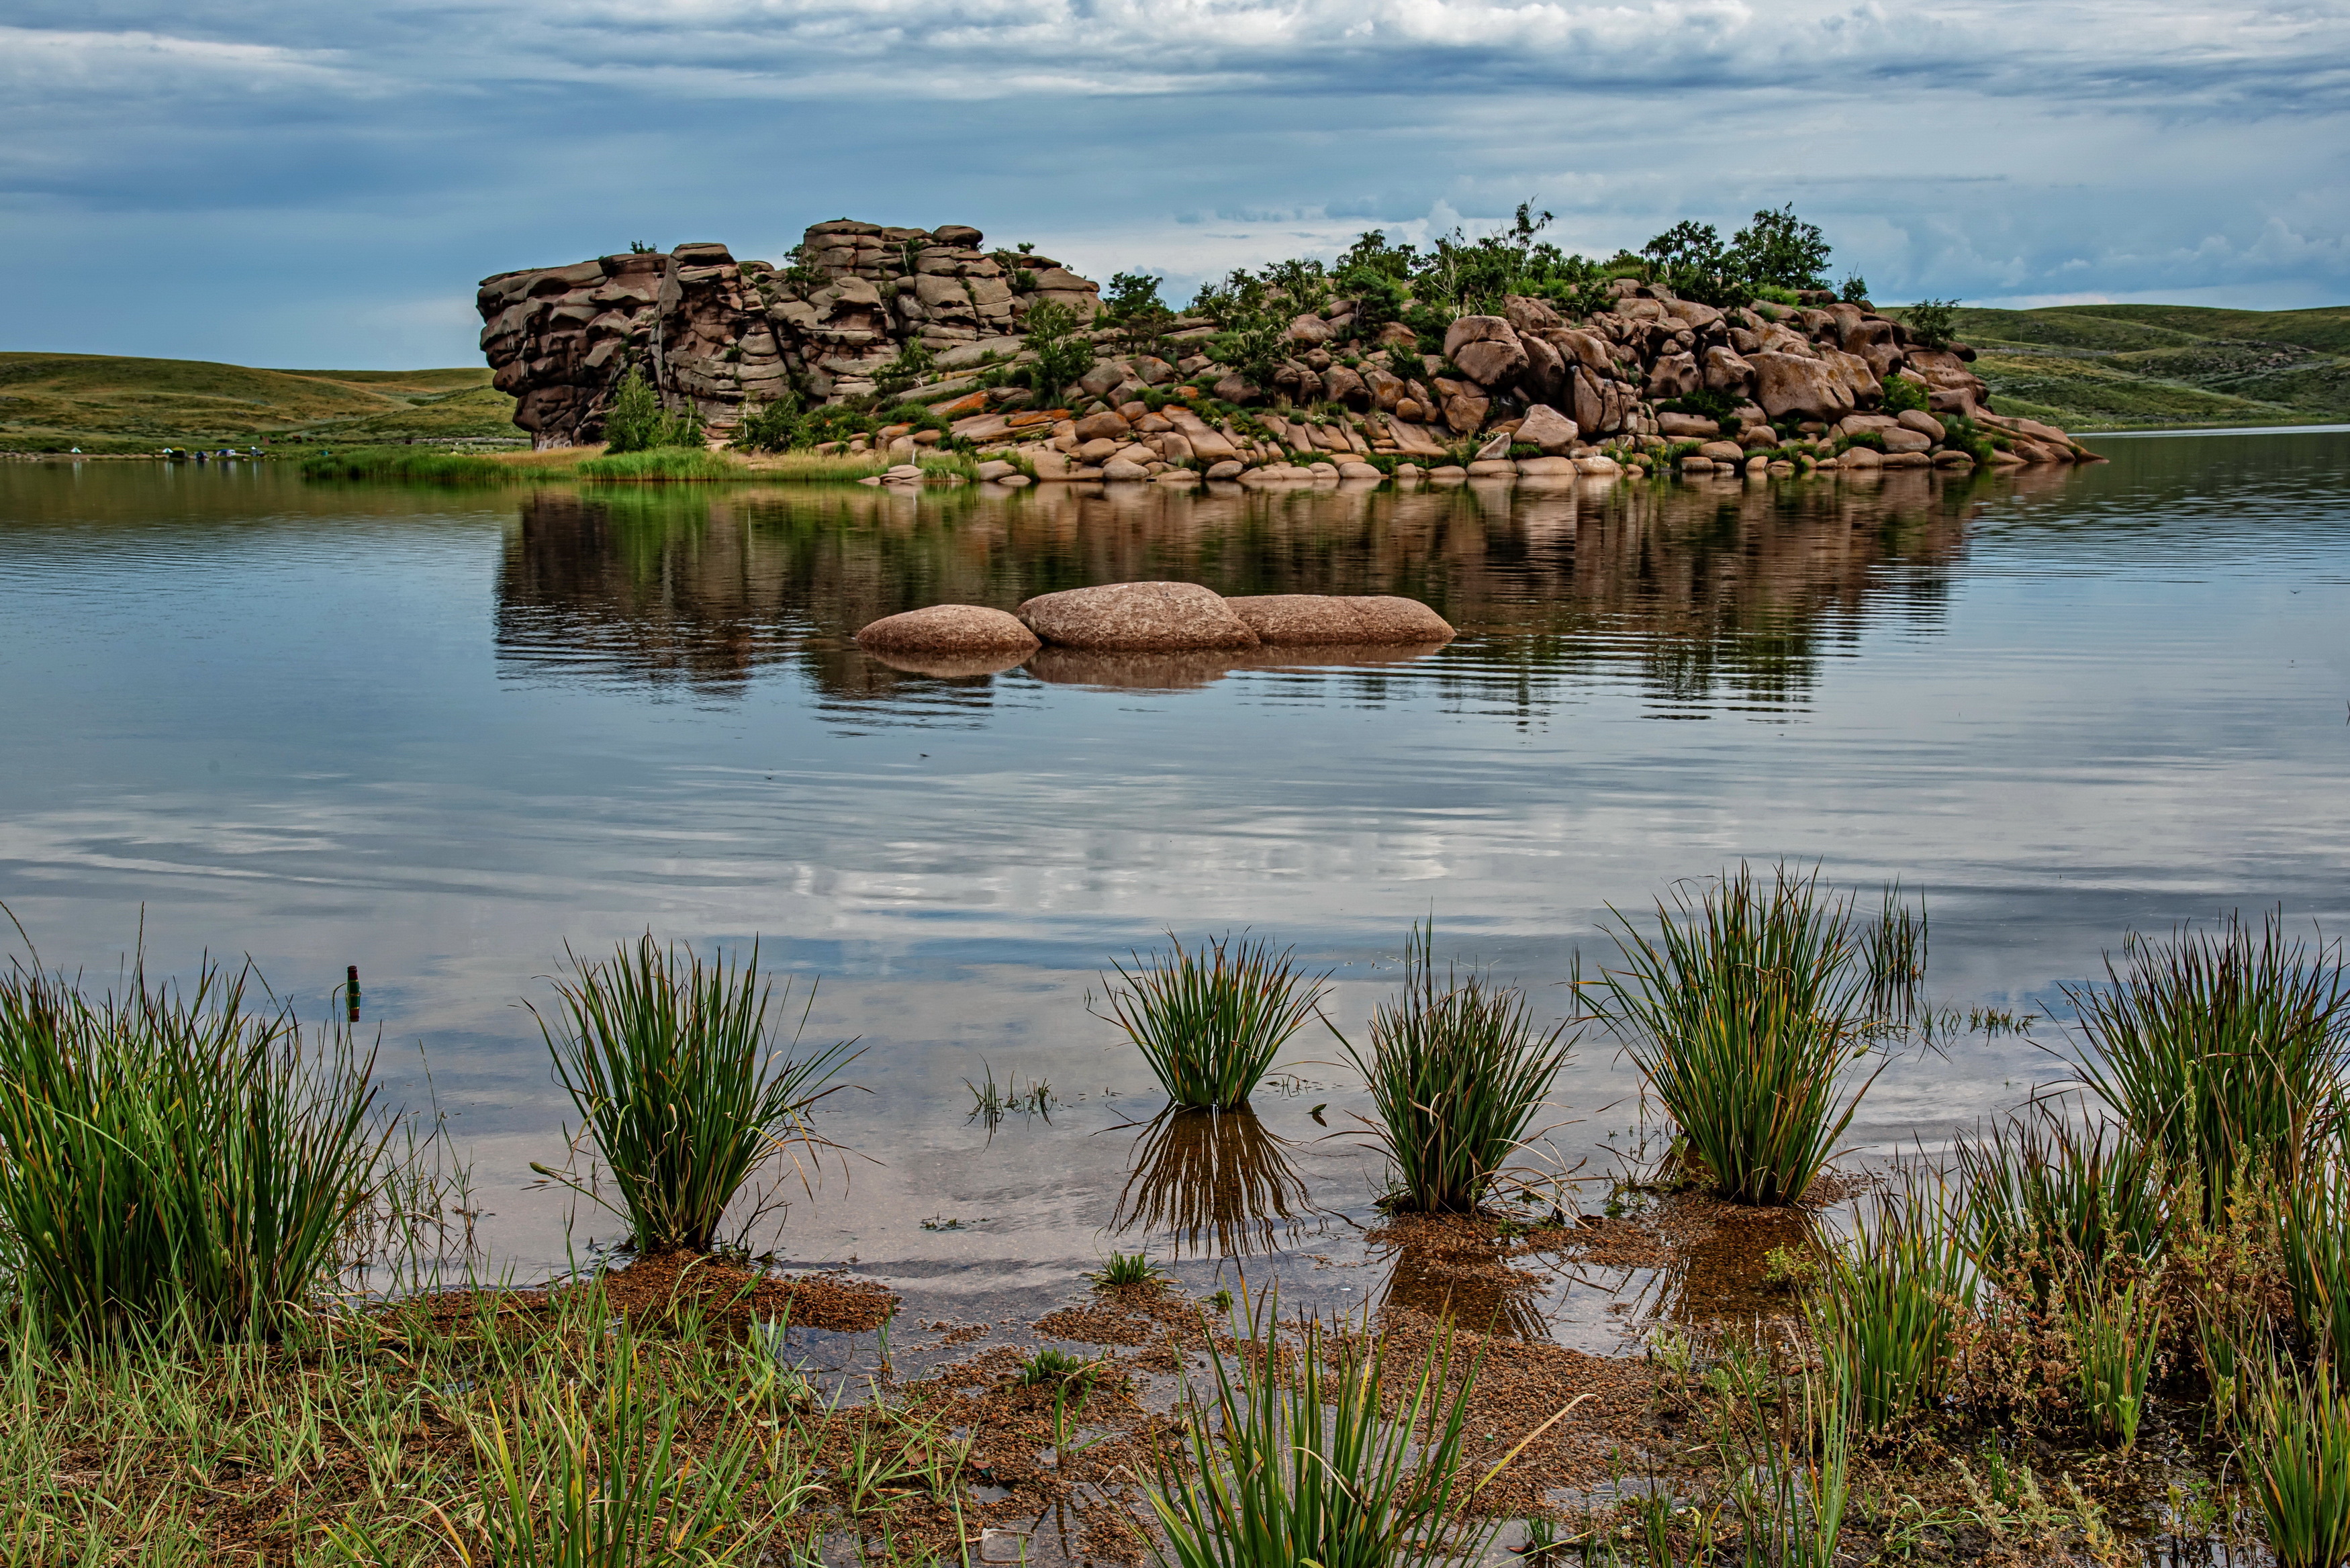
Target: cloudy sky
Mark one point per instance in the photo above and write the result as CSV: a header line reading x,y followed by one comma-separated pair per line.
x,y
297,184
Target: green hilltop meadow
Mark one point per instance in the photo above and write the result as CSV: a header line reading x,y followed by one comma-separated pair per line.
x,y
105,403
2080,366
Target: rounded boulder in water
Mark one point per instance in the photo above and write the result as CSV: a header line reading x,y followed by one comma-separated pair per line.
x,y
1133,617
949,629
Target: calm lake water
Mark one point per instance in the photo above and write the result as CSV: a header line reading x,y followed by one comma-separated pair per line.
x,y
442,735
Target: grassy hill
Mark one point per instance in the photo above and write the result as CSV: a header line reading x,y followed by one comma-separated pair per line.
x,y
2123,366
100,403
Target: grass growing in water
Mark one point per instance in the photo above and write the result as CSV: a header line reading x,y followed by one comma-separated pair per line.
x,y
666,463
2224,1049
2047,1203
2296,1454
1457,1071
173,1156
2116,1333
1893,949
669,1062
409,464
1209,1020
1742,1015
1126,1268
1293,1460
1886,1308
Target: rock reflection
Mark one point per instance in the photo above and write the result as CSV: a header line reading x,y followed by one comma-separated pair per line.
x,y
1220,1182
1706,595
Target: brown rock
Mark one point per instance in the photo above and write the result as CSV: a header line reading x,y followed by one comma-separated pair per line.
x,y
1105,426
1134,617
1672,376
1686,426
1924,424
1546,428
1727,372
949,629
1491,361
1387,617
1786,384
1723,451
1283,620
1525,314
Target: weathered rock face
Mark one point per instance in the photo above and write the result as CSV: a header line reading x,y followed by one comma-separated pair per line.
x,y
711,333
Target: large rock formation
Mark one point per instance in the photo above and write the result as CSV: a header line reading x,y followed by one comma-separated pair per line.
x,y
1525,393
710,332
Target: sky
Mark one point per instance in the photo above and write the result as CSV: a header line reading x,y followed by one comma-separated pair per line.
x,y
290,185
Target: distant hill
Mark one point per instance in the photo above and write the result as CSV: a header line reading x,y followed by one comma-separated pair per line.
x,y
2123,366
102,402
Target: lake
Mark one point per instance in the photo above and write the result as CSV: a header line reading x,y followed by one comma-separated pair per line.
x,y
440,734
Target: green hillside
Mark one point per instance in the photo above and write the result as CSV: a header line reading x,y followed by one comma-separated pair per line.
x,y
100,403
2121,367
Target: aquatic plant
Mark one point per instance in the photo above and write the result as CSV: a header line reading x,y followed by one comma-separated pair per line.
x,y
1126,1268
409,464
1051,1367
175,1157
2116,1333
1457,1073
1893,950
1210,1020
1292,1458
2224,1049
1218,1179
2296,1455
2044,1201
2313,1230
1887,1307
671,1064
1742,1015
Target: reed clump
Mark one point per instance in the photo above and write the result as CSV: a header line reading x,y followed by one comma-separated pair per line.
x,y
1210,1020
176,1157
1742,1014
1320,1450
1887,1309
673,1066
2223,1048
1457,1073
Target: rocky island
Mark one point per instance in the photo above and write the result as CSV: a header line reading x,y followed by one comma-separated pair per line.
x,y
895,341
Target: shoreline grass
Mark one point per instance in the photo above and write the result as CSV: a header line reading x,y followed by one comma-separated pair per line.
x,y
174,1155
1456,1074
668,1062
1210,1020
1741,1016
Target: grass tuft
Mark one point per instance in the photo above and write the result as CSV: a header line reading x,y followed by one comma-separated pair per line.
x,y
1126,1268
1457,1073
173,1157
669,1062
1742,1015
1210,1020
2047,1203
2296,1454
1887,1308
1294,1460
2224,1049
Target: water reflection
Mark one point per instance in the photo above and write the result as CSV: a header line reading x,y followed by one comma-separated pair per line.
x,y
1709,595
1449,1270
1219,1181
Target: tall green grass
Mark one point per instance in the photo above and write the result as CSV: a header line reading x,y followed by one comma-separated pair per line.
x,y
1457,1073
1887,1309
2224,1049
176,1156
2048,1203
672,464
1293,1460
410,465
2116,1328
2296,1454
1742,1015
1209,1020
2313,1226
670,1063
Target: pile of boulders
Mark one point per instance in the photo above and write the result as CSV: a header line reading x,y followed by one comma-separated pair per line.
x,y
1527,395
